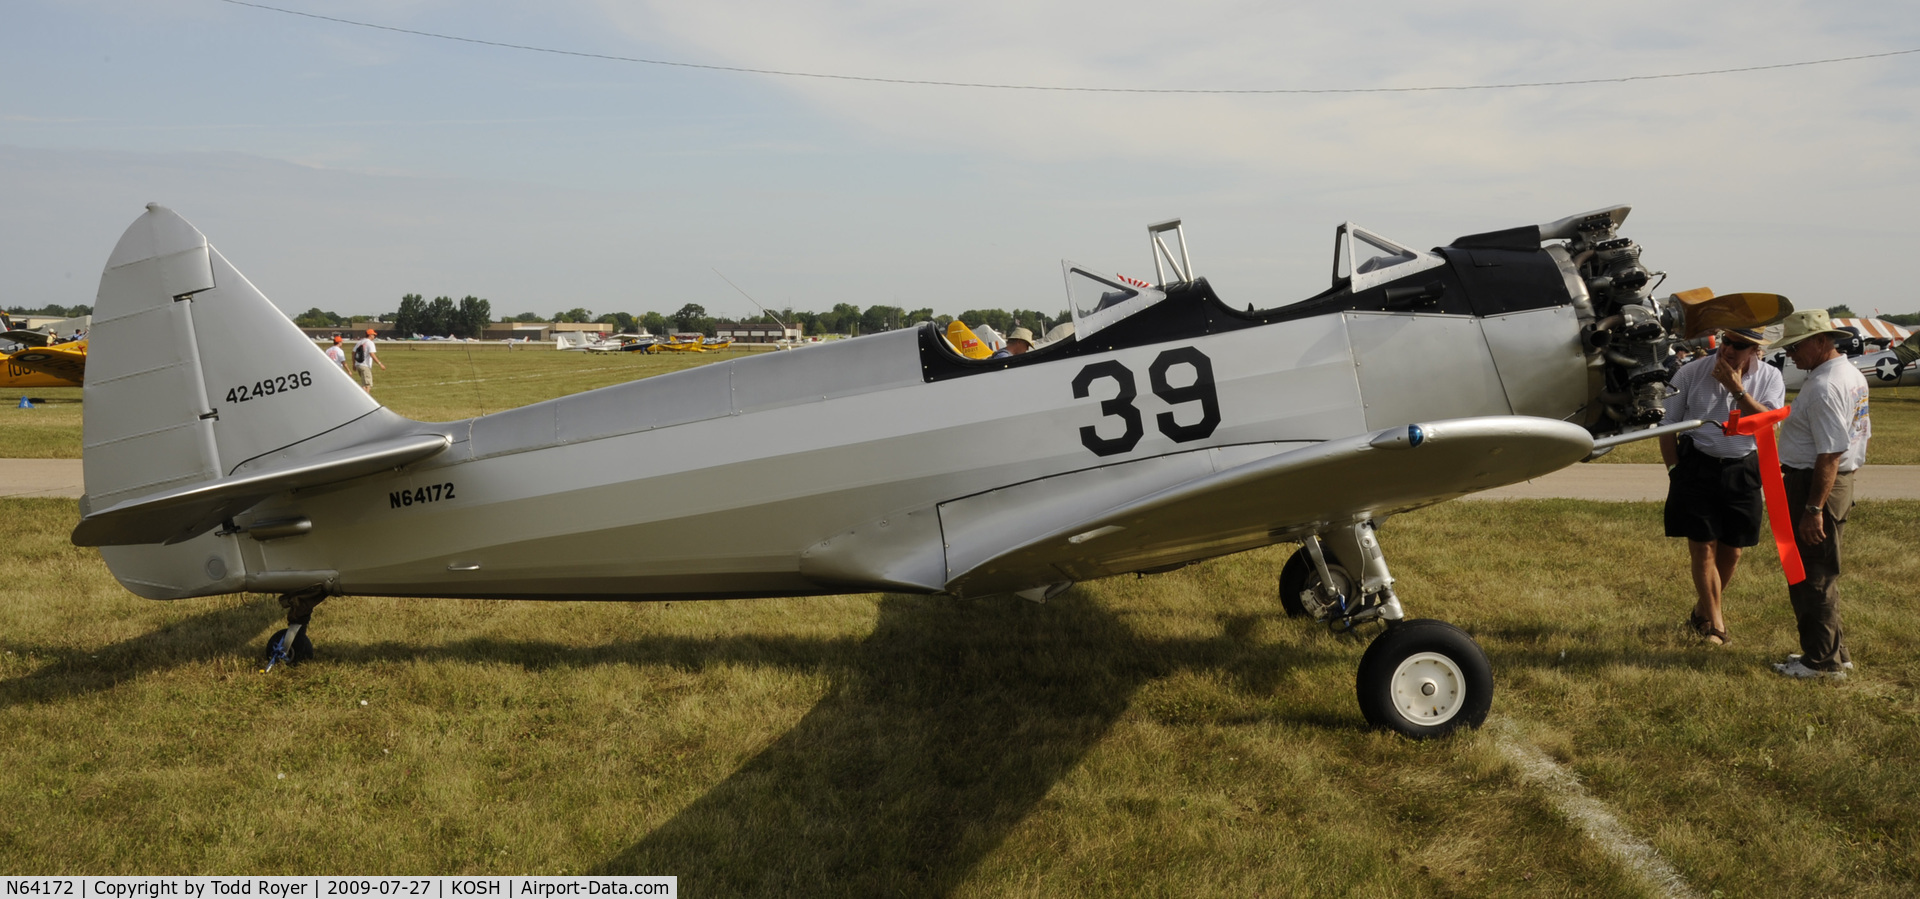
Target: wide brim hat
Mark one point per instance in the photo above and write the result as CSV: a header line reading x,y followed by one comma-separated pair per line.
x,y
1747,335
1021,334
1804,324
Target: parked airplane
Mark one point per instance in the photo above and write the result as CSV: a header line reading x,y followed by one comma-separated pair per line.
x,y
39,357
687,343
223,454
1891,367
594,343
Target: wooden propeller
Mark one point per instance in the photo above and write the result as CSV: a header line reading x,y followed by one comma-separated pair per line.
x,y
1703,313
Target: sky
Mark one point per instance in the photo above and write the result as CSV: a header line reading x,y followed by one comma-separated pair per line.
x,y
341,167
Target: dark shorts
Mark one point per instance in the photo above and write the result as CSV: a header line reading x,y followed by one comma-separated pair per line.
x,y
1713,500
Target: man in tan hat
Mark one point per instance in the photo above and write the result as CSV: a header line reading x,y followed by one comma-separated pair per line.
x,y
1019,340
1822,443
1713,479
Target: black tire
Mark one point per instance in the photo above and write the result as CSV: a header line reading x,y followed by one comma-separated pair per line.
x,y
1413,656
1297,575
302,647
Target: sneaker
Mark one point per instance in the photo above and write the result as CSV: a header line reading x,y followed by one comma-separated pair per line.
x,y
1794,669
1795,657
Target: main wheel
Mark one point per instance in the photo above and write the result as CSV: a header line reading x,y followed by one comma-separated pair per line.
x,y
1425,678
1298,576
302,647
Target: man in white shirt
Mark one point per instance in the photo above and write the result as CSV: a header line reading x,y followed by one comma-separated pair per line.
x,y
1822,443
365,357
1713,480
336,354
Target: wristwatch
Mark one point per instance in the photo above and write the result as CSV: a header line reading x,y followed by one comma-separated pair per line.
x,y
1738,393
1811,507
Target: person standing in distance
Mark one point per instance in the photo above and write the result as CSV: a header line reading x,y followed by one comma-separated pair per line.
x,y
1713,480
336,354
365,357
1822,443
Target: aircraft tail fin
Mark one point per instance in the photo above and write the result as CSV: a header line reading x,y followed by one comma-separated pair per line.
x,y
965,341
193,372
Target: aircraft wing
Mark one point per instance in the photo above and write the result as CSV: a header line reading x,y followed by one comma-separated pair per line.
x,y
1284,496
25,337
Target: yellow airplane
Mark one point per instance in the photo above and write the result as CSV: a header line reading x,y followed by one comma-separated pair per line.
x,y
693,345
39,362
64,365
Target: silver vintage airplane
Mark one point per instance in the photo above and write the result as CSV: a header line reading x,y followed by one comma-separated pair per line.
x,y
223,453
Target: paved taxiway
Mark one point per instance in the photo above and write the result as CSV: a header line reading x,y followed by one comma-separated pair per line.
x,y
1619,483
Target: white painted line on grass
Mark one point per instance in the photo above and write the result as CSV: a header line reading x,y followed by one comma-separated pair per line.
x,y
1592,816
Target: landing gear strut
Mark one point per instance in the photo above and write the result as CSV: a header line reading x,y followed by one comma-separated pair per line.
x,y
1423,678
1343,582
290,645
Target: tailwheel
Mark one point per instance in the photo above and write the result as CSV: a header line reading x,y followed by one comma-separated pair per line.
x,y
279,654
1425,678
290,645
1304,595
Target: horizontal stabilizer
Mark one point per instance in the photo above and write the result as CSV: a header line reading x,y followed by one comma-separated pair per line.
x,y
172,516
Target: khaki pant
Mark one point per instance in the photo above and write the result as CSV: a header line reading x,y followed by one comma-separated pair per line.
x,y
1816,600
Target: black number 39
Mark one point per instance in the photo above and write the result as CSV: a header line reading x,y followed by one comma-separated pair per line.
x,y
1200,390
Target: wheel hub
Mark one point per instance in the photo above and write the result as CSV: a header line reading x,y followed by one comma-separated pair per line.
x,y
1428,688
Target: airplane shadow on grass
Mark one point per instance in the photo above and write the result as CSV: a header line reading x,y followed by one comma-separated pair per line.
x,y
943,730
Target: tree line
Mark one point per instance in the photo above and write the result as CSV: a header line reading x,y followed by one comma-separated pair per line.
x,y
50,309
442,317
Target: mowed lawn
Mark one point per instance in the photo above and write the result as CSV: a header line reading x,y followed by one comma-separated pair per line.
x,y
1166,735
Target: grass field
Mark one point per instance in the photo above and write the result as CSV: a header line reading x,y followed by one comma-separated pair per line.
x,y
1169,735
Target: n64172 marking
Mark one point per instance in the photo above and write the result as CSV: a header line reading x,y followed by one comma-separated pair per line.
x,y
431,493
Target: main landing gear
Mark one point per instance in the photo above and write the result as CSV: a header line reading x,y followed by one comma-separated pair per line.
x,y
1422,678
290,645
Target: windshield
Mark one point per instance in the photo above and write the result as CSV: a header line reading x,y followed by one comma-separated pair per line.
x,y
1100,300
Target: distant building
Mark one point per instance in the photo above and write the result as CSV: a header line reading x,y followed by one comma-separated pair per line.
x,y
357,330
537,331
756,332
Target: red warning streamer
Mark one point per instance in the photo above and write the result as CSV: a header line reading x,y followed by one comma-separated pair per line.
x,y
1779,518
